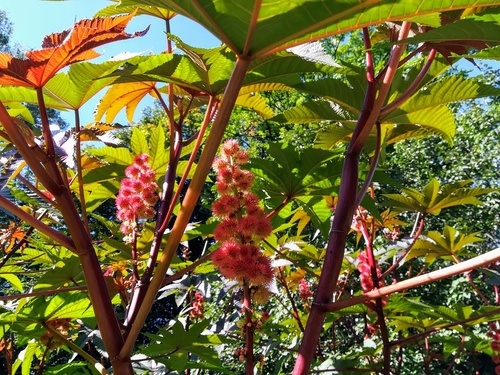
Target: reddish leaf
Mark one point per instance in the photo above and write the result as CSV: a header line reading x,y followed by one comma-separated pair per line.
x,y
62,49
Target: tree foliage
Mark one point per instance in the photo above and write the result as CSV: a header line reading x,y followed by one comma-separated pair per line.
x,y
334,214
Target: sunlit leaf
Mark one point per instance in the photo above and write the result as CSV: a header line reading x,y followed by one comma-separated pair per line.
x,y
74,305
434,197
448,246
74,88
123,95
130,6
276,25
62,49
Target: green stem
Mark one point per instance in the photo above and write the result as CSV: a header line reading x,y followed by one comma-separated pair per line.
x,y
96,364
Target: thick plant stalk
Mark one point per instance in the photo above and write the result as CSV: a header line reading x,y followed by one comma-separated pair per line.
x,y
443,273
81,245
374,100
190,200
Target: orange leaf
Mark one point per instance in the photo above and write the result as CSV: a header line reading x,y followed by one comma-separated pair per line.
x,y
122,95
62,49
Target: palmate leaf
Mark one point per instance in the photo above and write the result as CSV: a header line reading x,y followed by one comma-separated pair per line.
x,y
482,27
284,67
25,359
293,174
304,177
62,49
434,197
67,272
8,274
426,108
73,305
201,72
178,344
314,111
74,368
129,6
256,28
422,115
486,54
127,95
73,89
448,246
438,120
11,95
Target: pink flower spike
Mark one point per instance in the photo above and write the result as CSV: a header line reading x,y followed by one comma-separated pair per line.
x,y
242,157
141,159
220,164
226,230
132,171
230,148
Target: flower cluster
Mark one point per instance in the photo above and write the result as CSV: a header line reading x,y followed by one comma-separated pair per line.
x,y
366,278
305,293
494,335
137,194
198,306
243,221
61,325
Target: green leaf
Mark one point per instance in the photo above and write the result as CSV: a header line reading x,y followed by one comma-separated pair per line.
x,y
74,368
138,142
319,212
484,27
25,358
293,174
449,245
14,94
314,111
157,151
99,192
67,272
486,54
258,28
434,197
7,273
73,89
178,344
115,155
129,6
74,305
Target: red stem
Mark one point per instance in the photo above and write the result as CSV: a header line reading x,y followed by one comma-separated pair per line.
x,y
295,312
379,307
31,157
399,101
247,306
79,173
345,208
415,238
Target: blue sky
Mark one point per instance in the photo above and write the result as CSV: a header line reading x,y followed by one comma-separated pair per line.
x,y
33,19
